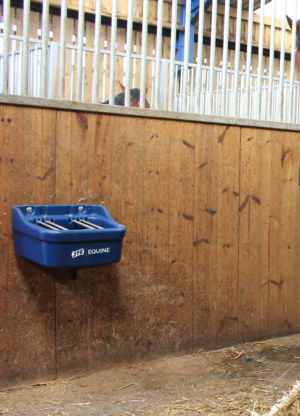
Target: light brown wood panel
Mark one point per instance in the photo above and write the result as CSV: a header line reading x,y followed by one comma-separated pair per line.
x,y
254,233
181,225
104,282
71,297
205,235
289,230
211,255
127,198
13,291
39,188
156,287
226,295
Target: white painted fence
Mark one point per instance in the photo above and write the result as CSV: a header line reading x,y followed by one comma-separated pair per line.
x,y
36,67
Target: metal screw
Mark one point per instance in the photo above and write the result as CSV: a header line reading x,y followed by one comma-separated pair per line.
x,y
80,209
29,210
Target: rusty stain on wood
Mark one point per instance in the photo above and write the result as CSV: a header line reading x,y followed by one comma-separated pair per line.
x,y
279,284
188,144
284,155
83,119
47,174
242,207
202,165
210,211
257,200
221,137
197,243
188,217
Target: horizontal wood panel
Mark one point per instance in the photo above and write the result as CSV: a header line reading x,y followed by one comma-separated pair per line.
x,y
211,255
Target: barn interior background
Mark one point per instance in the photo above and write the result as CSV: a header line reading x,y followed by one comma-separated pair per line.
x,y
210,203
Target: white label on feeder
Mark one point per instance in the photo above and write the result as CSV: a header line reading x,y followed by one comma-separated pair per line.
x,y
50,34
105,43
39,32
134,48
84,40
14,28
1,25
99,250
73,38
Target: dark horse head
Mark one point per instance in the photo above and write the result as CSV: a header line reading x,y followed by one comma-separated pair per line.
x,y
134,97
290,22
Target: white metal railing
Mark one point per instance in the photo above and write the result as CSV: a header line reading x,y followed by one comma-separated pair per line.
x,y
37,67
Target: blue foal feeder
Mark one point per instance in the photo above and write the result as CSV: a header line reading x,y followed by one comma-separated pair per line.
x,y
67,236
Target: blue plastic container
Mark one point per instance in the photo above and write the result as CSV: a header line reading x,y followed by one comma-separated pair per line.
x,y
73,248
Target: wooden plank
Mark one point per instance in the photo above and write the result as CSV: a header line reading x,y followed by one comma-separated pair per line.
x,y
13,286
227,217
289,232
39,189
216,236
254,233
71,179
102,283
275,234
156,291
127,198
181,224
205,236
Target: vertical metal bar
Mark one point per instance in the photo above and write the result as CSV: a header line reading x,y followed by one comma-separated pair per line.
x,y
144,52
212,57
249,57
160,6
80,50
96,52
225,57
82,81
271,63
292,72
199,57
6,16
104,77
12,58
62,50
112,74
260,59
26,25
282,55
172,54
186,53
128,52
176,86
191,91
72,74
45,34
181,84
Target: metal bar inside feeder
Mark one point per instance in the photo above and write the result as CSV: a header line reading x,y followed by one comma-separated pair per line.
x,y
59,227
47,225
83,225
92,224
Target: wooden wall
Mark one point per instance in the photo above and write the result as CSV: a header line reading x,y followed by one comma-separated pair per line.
x,y
211,256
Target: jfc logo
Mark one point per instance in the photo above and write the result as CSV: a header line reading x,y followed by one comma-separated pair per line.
x,y
77,253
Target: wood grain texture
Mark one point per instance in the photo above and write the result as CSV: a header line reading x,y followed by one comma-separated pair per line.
x,y
155,287
39,188
254,233
211,255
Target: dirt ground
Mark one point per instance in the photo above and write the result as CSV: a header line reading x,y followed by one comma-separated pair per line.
x,y
243,380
